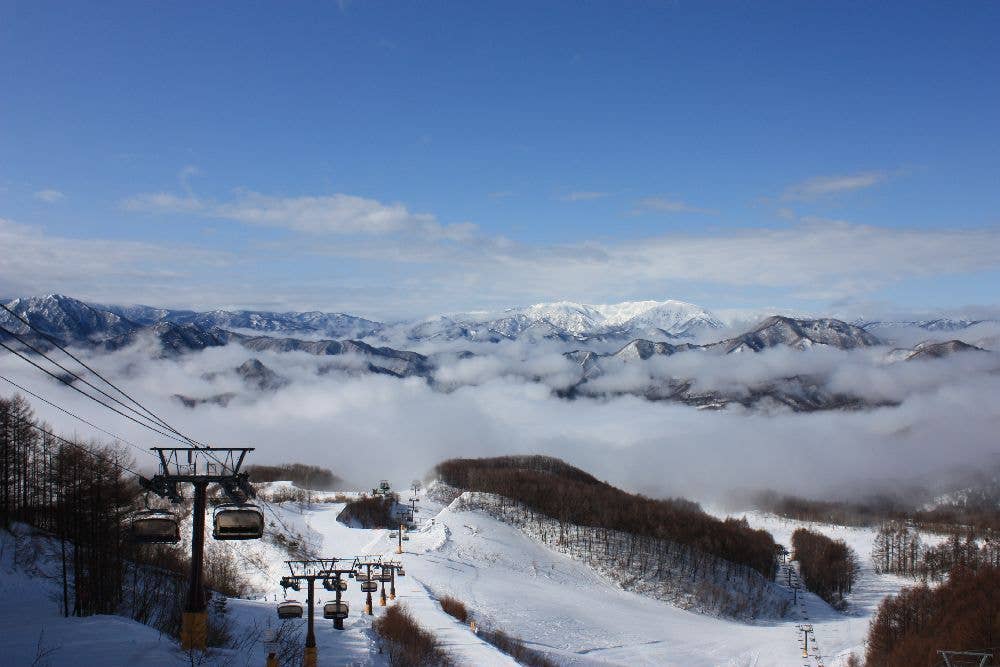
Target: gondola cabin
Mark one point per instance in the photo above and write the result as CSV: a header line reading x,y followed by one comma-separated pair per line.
x,y
155,527
290,609
238,522
335,610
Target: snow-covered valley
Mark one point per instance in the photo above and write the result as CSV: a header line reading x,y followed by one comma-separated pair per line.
x,y
555,604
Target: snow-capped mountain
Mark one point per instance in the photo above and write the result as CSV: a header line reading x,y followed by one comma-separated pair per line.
x,y
798,334
938,324
936,350
312,323
171,339
565,321
673,318
64,318
73,320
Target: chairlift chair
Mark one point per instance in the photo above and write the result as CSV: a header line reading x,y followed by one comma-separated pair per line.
x,y
386,575
290,609
155,527
331,584
335,610
368,587
238,522
400,572
393,535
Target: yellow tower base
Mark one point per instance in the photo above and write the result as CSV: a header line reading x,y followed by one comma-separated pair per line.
x,y
399,550
194,630
309,657
368,609
272,660
381,602
392,596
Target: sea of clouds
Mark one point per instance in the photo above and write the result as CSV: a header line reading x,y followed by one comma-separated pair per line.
x,y
503,401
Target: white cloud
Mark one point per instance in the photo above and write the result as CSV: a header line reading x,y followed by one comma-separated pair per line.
x,y
667,205
819,260
162,202
49,196
339,214
100,269
824,186
583,196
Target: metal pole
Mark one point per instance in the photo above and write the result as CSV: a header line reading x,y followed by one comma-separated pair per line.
x,y
368,598
399,540
381,598
338,623
194,620
392,588
309,659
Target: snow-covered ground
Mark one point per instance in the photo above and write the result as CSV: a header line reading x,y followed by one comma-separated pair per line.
x,y
508,581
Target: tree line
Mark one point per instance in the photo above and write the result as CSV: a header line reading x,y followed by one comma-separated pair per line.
x,y
828,567
898,549
976,513
301,475
963,613
571,496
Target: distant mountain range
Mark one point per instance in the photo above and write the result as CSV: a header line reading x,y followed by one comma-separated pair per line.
x,y
672,321
73,320
672,327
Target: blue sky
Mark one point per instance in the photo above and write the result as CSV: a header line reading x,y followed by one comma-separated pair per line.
x,y
398,159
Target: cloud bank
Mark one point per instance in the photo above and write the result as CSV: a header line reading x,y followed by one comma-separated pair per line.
x,y
365,427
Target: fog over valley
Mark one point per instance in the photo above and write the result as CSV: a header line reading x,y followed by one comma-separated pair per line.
x,y
681,416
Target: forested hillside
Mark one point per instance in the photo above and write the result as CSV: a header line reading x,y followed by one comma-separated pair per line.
x,y
571,496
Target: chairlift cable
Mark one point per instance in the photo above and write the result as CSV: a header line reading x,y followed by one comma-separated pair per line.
x,y
93,398
158,423
83,448
72,356
117,437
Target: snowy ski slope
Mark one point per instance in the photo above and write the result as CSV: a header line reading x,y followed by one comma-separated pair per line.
x,y
555,604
